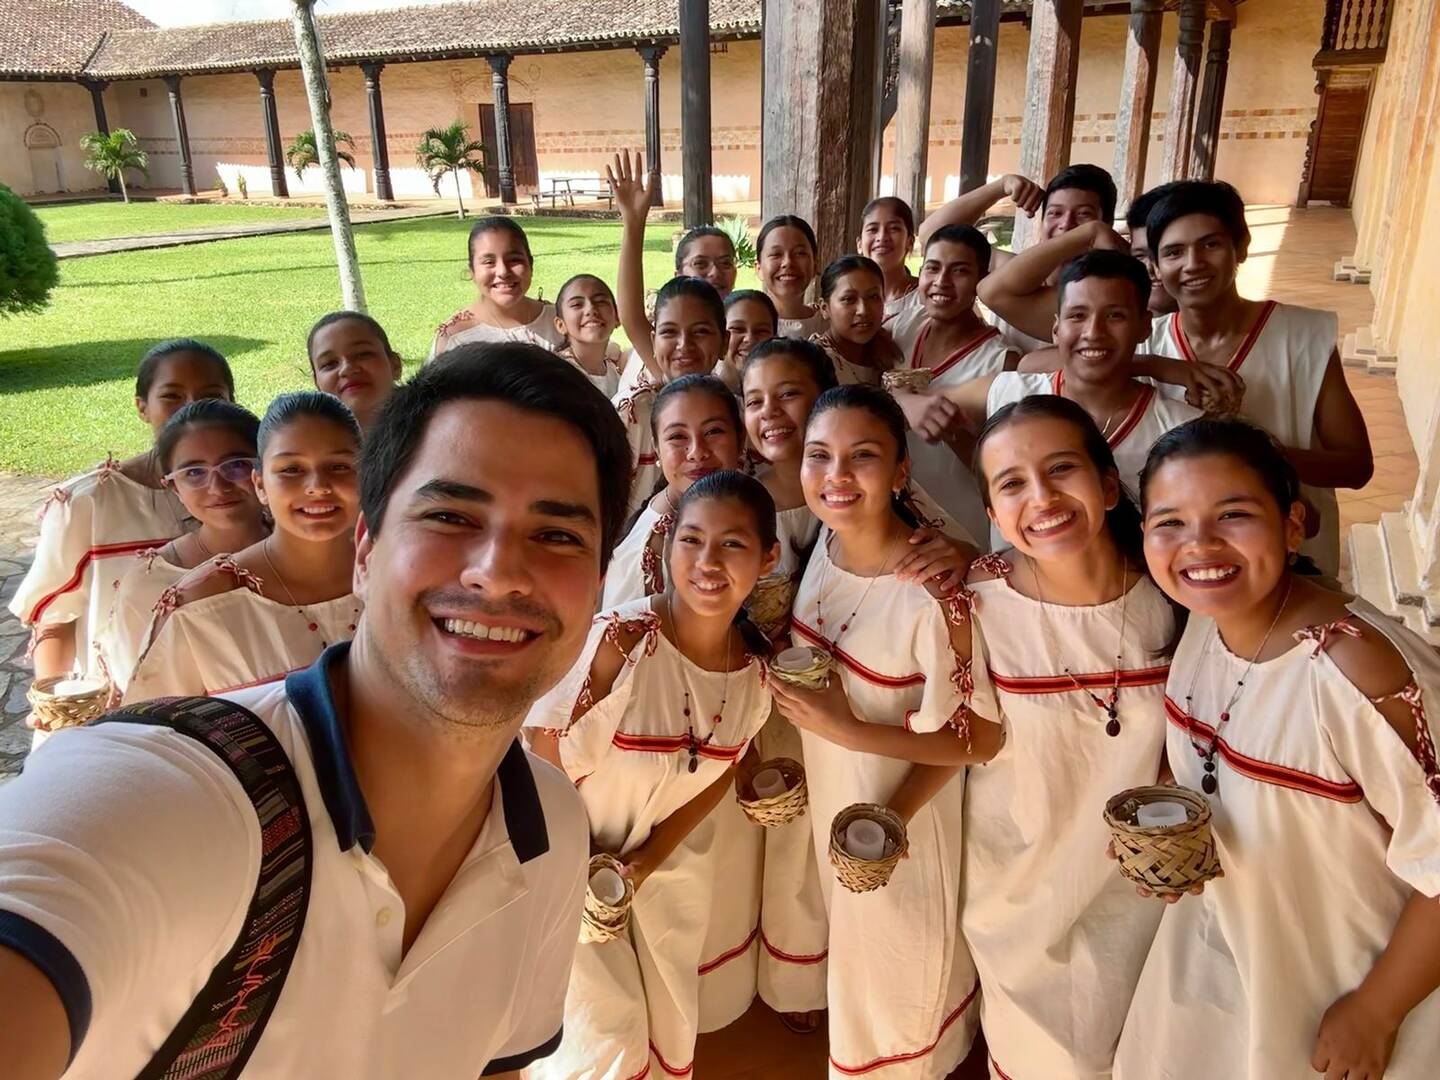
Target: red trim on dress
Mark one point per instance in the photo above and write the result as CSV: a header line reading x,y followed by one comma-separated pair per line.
x,y
996,1066
670,744
1097,680
895,1059
671,1070
1178,332
955,356
730,954
792,958
1264,771
1132,418
889,682
642,1073
102,551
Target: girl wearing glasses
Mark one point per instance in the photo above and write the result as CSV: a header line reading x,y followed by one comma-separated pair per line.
x,y
207,453
275,605
93,523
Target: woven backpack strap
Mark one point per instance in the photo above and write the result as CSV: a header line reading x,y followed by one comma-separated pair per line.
x,y
218,1033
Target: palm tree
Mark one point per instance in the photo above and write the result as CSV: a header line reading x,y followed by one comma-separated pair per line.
x,y
448,150
301,153
110,155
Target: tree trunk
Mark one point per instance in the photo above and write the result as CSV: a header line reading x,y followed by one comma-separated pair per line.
x,y
312,63
458,197
124,191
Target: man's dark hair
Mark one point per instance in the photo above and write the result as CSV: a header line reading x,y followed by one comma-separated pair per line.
x,y
1103,263
1090,178
1212,197
967,235
525,376
1140,206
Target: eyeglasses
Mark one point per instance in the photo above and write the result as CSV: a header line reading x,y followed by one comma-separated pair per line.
x,y
702,264
197,477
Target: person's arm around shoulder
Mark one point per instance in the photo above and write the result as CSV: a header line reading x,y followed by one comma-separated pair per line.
x,y
1017,291
970,207
111,891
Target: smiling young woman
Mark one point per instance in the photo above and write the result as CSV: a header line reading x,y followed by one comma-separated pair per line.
x,y
274,606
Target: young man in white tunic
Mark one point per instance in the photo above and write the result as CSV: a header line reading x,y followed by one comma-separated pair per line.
x,y
1308,720
1101,321
1287,356
1076,646
440,848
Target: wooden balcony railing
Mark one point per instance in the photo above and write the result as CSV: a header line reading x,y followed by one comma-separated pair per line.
x,y
1355,32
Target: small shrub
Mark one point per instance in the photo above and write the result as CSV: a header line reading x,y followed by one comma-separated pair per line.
x,y
739,232
242,185
28,269
220,183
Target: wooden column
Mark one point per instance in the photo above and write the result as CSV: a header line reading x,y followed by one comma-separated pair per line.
x,y
271,120
1180,112
912,109
379,149
500,85
979,94
182,135
821,67
1049,96
1137,98
652,54
102,124
1212,103
695,111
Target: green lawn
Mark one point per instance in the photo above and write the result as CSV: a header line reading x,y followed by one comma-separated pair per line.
x,y
66,375
102,220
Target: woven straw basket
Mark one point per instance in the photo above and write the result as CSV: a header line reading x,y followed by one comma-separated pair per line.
x,y
52,713
814,677
913,380
600,922
777,810
865,875
1163,858
770,602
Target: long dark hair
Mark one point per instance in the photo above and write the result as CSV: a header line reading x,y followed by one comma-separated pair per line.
x,y
821,367
206,413
497,223
750,493
787,221
695,287
1253,447
883,407
1122,519
292,406
161,350
846,264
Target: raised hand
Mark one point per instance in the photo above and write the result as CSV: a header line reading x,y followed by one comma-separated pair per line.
x,y
1023,192
631,185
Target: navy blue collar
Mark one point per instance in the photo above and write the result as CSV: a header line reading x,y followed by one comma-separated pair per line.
x,y
310,693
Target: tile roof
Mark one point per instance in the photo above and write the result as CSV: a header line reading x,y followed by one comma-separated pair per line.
x,y
103,39
58,37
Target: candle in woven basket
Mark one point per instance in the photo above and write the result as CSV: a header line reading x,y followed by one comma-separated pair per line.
x,y
768,783
1159,814
75,687
797,659
607,886
865,839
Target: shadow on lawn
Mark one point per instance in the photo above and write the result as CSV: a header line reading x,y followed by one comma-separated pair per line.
x,y
89,362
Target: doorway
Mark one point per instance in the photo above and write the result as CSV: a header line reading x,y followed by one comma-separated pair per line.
x,y
522,149
1339,129
42,143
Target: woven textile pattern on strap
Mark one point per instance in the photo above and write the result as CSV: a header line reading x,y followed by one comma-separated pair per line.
x,y
218,1033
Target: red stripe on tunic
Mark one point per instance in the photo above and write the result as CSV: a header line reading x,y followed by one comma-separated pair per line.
x,y
891,682
895,1059
1245,346
103,551
1265,772
730,954
672,1070
1095,680
792,958
1132,418
955,357
670,744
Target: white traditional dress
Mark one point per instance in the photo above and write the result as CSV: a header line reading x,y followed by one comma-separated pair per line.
x,y
637,568
805,328
635,406
633,1003
846,372
1283,361
91,527
901,985
902,306
1152,415
234,639
608,382
1058,936
794,929
946,478
464,327
121,634
1325,824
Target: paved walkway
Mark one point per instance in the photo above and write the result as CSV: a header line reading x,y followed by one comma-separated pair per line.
x,y
20,496
80,248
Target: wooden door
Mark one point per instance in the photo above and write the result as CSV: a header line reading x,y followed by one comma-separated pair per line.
x,y
1340,127
522,149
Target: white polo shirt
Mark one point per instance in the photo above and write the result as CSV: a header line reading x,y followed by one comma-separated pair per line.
x,y
129,855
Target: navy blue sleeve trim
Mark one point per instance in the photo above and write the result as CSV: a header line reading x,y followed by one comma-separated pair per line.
x,y
56,963
519,1061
